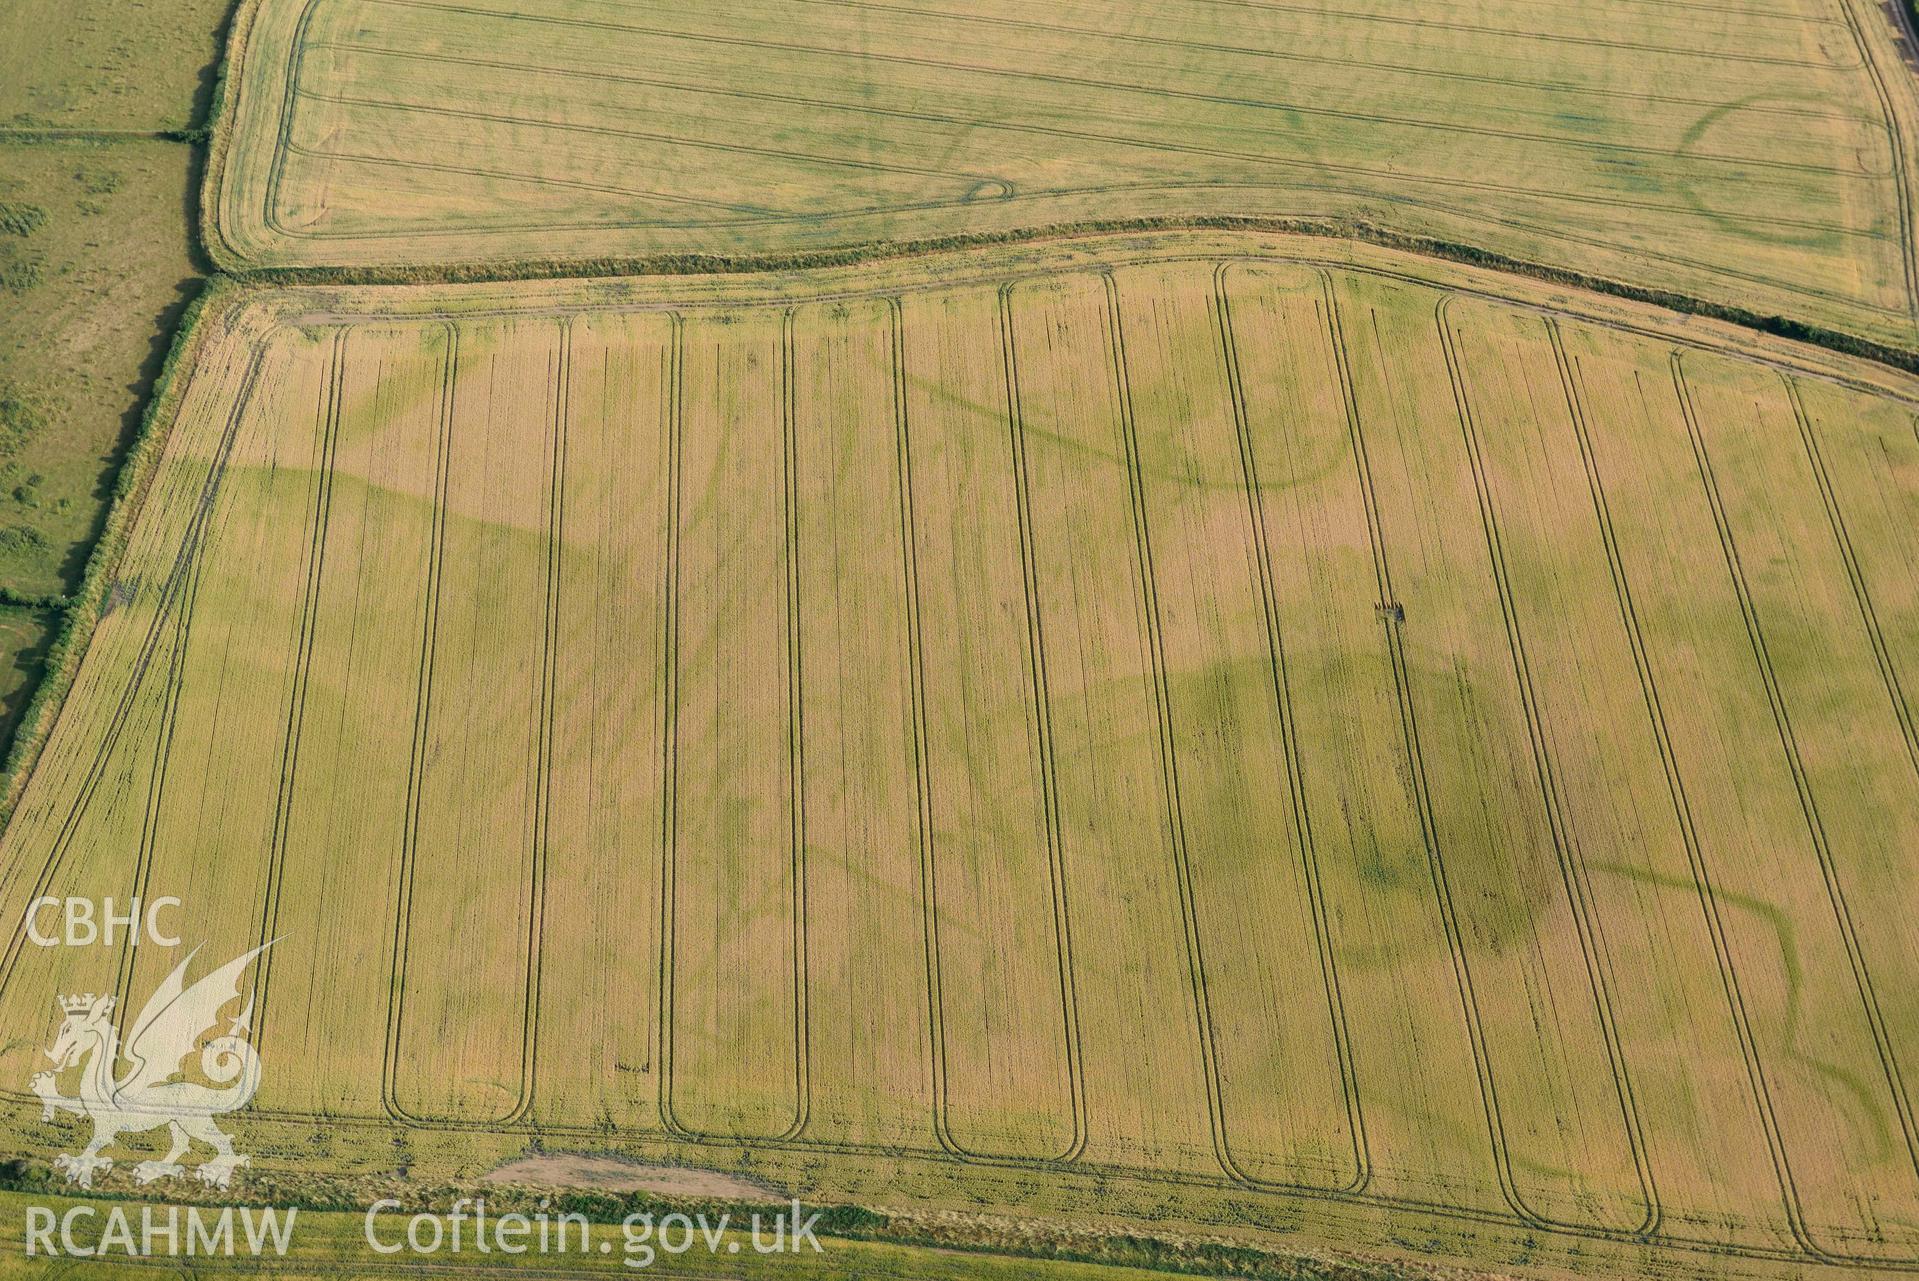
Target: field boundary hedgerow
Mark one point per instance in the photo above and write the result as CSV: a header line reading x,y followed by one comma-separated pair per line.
x,y
1892,355
228,259
991,1236
1322,172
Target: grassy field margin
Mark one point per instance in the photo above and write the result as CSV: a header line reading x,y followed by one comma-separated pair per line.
x,y
987,1245
219,141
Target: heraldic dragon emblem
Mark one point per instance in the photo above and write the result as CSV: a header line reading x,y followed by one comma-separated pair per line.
x,y
152,1090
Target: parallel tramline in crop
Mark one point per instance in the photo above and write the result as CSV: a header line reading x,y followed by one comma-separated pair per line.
x,y
1168,721
1757,160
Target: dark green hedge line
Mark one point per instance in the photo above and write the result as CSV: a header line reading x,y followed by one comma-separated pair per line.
x,y
25,600
1896,357
34,136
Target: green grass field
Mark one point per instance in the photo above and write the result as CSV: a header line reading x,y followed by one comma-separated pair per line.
x,y
97,262
94,274
1752,153
98,257
104,67
98,284
1235,734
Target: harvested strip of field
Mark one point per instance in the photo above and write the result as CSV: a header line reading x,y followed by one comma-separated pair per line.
x,y
1564,1140
868,1072
1273,1017
1547,519
469,927
1811,1063
1751,155
1869,452
209,828
1167,724
1144,1089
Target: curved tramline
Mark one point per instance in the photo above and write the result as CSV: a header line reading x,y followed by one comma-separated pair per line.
x,y
1248,733
1758,161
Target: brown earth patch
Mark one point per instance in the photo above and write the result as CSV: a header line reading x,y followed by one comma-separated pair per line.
x,y
617,1174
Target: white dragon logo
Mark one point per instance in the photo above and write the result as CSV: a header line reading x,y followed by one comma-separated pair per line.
x,y
150,1093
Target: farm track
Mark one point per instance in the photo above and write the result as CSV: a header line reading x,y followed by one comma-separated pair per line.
x,y
177,610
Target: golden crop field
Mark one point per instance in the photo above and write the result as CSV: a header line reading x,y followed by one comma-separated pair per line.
x,y
1752,153
1247,734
